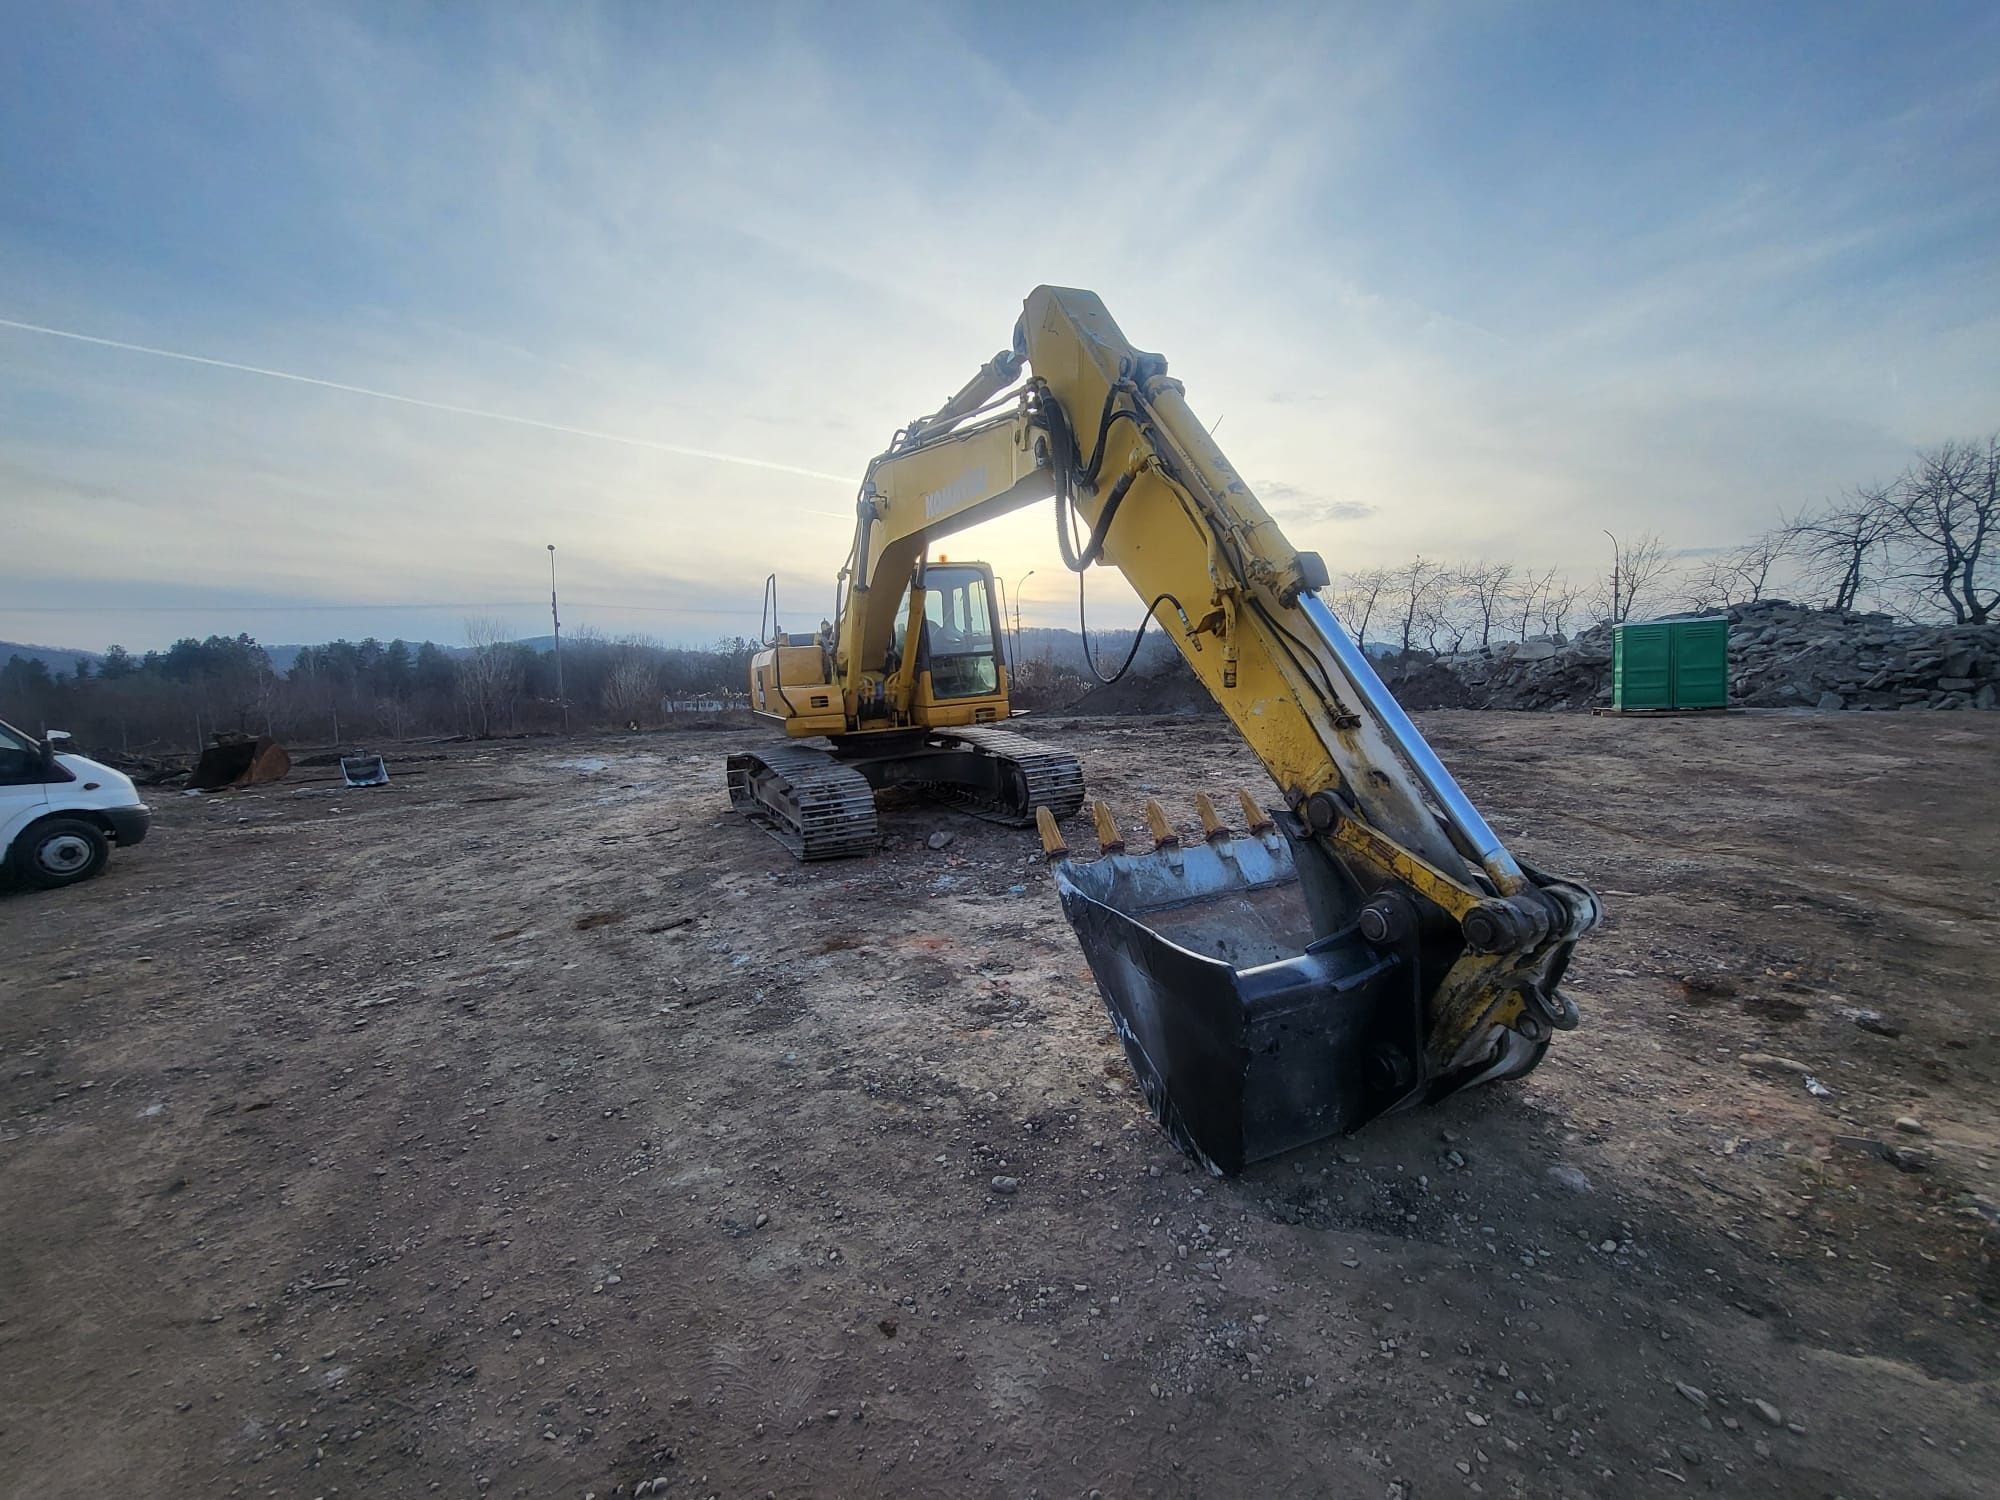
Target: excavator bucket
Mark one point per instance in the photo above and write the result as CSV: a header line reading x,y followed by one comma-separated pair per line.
x,y
239,760
1254,1014
364,770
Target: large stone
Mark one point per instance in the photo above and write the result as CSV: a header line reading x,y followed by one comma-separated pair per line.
x,y
1829,702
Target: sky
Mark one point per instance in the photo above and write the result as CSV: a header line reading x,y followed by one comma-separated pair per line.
x,y
655,282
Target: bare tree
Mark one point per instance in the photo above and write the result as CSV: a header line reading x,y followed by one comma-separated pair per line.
x,y
1355,604
1946,509
1525,598
1737,575
1411,589
631,687
1638,568
1559,600
1711,583
488,677
391,717
1840,549
1753,562
1487,588
1448,616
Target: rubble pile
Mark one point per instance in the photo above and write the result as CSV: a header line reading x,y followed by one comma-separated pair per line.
x,y
1781,655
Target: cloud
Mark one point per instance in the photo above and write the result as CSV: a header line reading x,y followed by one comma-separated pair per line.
x,y
1497,312
1290,503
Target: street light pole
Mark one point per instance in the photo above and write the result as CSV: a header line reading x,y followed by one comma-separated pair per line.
x,y
1015,595
555,621
1615,616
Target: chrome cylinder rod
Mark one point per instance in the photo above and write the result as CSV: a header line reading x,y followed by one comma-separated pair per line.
x,y
1381,704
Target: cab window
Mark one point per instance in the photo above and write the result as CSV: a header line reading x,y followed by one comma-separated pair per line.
x,y
956,611
21,761
958,633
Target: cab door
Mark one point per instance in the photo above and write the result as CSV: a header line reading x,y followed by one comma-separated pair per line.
x,y
24,775
960,676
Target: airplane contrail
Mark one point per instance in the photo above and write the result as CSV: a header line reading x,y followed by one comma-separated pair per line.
x,y
443,406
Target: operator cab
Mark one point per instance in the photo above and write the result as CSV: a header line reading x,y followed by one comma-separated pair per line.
x,y
959,646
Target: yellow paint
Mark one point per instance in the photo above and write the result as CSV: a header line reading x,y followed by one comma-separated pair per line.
x,y
1109,839
1199,549
1211,822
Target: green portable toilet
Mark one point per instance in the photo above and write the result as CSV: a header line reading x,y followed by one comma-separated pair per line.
x,y
1672,663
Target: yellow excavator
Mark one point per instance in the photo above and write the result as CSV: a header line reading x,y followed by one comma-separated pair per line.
x,y
1365,945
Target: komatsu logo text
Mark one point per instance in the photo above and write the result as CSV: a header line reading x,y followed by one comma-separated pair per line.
x,y
968,486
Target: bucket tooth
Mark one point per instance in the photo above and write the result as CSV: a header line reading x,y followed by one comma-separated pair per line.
x,y
1164,836
1212,826
1260,821
1109,839
1052,839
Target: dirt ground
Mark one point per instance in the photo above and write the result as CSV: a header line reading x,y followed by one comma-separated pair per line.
x,y
533,1127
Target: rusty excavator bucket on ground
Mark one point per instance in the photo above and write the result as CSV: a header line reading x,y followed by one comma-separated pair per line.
x,y
235,760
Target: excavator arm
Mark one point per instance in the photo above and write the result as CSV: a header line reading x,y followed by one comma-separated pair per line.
x,y
936,481
1367,945
1380,833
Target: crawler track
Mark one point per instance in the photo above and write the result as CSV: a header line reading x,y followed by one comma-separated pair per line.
x,y
1033,776
820,806
806,800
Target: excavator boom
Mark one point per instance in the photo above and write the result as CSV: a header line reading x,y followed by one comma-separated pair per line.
x,y
1366,944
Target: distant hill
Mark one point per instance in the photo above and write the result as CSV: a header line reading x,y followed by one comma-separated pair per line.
x,y
55,658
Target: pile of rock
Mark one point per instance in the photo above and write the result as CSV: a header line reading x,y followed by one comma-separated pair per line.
x,y
1552,674
1781,655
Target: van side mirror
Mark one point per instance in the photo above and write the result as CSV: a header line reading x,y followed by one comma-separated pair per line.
x,y
52,743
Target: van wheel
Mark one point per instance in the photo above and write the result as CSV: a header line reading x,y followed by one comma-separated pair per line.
x,y
61,851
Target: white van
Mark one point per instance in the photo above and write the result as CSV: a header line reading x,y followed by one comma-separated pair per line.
x,y
60,814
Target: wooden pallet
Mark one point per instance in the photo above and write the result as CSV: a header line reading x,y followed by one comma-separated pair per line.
x,y
1661,713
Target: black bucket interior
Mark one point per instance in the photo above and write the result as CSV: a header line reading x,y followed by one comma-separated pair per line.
x,y
1253,1013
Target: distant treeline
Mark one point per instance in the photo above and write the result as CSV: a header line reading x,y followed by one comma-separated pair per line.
x,y
352,691
357,690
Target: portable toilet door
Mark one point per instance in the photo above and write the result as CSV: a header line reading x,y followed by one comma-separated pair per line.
x,y
1701,662
1642,666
